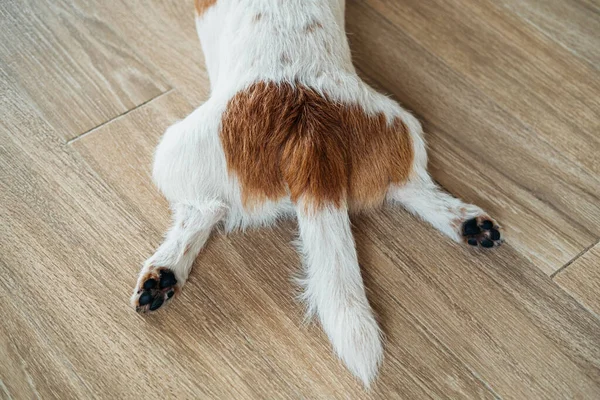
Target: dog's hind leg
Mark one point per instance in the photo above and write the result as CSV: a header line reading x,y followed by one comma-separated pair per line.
x,y
163,274
460,221
334,289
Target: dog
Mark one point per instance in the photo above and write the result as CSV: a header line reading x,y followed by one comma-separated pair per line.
x,y
290,130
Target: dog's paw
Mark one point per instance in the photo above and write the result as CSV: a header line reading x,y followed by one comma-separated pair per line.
x,y
155,287
481,231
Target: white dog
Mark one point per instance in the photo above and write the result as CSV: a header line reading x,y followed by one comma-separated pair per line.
x,y
291,130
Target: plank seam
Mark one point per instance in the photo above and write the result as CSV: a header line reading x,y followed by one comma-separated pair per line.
x,y
70,141
581,253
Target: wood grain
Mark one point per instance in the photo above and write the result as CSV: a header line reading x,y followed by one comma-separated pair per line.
x,y
498,313
76,68
572,23
492,141
582,279
164,33
519,68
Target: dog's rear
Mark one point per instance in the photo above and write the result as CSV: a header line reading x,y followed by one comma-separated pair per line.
x,y
290,128
287,133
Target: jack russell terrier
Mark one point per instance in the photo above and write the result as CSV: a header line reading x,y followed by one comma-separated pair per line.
x,y
290,130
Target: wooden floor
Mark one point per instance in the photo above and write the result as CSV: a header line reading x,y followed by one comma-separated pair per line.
x,y
509,94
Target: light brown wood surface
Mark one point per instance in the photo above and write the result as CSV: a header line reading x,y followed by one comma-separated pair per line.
x,y
509,95
77,70
491,140
582,279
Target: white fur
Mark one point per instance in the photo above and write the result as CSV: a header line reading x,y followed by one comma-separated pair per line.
x,y
243,42
334,290
191,229
425,199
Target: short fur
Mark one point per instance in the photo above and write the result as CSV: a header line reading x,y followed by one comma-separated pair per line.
x,y
290,130
280,138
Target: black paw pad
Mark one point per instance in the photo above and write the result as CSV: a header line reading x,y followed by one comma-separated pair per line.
x,y
487,225
495,234
158,288
145,298
150,284
471,228
157,303
481,231
487,243
167,279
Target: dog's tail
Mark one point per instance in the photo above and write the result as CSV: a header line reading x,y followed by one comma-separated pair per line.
x,y
334,289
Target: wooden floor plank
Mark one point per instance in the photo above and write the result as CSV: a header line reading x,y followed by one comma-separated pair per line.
x,y
61,231
572,23
498,313
582,279
32,367
77,69
555,95
493,141
164,33
531,226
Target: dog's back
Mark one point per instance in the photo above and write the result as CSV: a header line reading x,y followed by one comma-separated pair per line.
x,y
272,40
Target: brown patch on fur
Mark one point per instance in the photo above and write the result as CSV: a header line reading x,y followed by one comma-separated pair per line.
x,y
313,26
203,5
277,137
187,249
257,17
